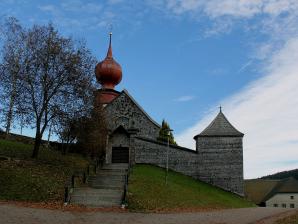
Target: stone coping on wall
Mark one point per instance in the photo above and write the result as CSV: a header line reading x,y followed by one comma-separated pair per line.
x,y
165,144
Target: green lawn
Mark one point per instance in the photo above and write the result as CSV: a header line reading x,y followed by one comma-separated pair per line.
x,y
43,179
147,192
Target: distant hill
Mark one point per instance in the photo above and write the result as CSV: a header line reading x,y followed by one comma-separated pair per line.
x,y
282,175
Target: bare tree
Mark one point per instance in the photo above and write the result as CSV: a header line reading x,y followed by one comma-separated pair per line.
x,y
12,35
56,79
93,134
67,129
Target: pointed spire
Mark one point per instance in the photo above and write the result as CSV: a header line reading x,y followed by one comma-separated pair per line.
x,y
110,53
220,109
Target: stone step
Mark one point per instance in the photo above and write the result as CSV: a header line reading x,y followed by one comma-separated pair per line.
x,y
94,202
96,197
102,204
112,170
107,182
110,173
107,176
105,189
77,197
105,186
122,166
89,191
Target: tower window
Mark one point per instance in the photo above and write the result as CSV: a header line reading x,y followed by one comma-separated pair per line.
x,y
292,197
284,205
292,206
275,205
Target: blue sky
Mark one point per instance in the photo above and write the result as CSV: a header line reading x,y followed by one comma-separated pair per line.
x,y
182,59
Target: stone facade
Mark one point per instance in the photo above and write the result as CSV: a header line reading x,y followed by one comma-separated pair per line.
x,y
217,160
125,111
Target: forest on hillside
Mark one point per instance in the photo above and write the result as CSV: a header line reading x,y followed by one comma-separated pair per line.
x,y
282,175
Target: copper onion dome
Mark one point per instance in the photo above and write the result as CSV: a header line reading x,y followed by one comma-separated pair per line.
x,y
108,72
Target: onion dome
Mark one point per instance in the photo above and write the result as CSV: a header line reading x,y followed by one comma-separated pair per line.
x,y
108,72
220,127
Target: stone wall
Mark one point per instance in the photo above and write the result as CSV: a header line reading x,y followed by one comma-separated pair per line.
x,y
218,160
181,159
124,111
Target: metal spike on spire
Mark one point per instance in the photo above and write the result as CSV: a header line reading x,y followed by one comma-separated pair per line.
x,y
110,53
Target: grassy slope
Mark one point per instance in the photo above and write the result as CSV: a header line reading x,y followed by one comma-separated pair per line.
x,y
147,192
35,180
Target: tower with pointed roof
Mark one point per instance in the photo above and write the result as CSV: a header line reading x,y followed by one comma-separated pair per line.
x,y
220,154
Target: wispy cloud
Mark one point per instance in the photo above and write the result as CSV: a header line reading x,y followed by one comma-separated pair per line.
x,y
266,112
275,16
266,109
47,8
245,66
184,98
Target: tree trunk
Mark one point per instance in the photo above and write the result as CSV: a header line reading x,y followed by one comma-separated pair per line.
x,y
11,105
9,115
49,136
37,142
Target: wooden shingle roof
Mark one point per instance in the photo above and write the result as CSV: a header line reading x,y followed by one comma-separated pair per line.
x,y
260,190
220,127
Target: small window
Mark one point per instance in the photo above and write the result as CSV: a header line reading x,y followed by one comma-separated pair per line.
x,y
284,205
292,197
275,205
292,206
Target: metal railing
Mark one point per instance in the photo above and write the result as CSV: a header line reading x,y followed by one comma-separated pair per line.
x,y
124,198
83,175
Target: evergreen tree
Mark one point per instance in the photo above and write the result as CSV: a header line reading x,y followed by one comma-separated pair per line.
x,y
165,132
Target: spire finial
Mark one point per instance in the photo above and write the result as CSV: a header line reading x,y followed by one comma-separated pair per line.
x,y
220,108
110,53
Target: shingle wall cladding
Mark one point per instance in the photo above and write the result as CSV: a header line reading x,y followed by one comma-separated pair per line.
x,y
123,111
221,162
218,162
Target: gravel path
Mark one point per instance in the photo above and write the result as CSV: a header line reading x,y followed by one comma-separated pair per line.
x,y
11,214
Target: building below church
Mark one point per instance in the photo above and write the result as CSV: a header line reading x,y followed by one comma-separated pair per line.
x,y
217,160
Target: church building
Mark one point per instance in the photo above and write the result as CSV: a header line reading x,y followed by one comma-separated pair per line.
x,y
217,160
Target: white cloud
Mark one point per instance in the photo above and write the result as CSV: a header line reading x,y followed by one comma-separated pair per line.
x,y
266,111
278,17
184,98
235,8
47,8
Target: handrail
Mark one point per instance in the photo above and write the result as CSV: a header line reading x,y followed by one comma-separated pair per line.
x,y
124,198
84,174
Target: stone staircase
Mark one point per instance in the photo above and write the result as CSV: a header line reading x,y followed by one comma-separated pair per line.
x,y
106,189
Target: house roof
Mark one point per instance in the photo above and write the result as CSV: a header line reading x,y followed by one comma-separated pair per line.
x,y
256,190
221,127
289,185
260,190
